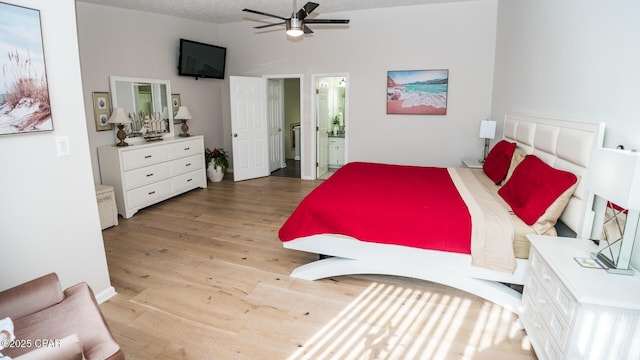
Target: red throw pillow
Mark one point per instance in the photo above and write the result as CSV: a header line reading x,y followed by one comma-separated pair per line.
x,y
498,160
533,187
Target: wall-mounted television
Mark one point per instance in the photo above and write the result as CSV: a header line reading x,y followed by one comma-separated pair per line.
x,y
201,60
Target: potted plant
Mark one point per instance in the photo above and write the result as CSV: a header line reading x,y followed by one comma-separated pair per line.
x,y
217,162
336,124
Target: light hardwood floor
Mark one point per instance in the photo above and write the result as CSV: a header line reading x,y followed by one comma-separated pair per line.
x,y
204,276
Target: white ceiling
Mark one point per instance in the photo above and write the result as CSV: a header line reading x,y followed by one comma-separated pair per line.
x,y
228,11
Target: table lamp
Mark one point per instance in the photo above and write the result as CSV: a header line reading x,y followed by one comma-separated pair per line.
x,y
184,115
487,132
119,118
614,175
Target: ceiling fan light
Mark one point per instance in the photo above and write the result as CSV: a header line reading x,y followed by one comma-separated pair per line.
x,y
295,32
294,27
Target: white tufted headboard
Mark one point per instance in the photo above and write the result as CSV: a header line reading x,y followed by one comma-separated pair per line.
x,y
565,145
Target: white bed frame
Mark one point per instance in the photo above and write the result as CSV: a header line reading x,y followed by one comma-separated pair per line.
x,y
562,144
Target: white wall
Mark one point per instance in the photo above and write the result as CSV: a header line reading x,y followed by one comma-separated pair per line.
x,y
574,59
48,212
457,36
122,42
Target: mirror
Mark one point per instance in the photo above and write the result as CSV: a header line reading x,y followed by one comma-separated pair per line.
x,y
616,237
147,102
612,232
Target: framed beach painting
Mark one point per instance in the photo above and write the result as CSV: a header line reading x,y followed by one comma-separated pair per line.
x,y
418,92
24,95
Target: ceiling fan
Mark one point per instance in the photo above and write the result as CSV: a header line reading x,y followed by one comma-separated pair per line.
x,y
296,25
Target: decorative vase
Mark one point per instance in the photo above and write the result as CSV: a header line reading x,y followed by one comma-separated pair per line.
x,y
215,173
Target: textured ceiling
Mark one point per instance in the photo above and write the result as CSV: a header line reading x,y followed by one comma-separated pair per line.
x,y
228,11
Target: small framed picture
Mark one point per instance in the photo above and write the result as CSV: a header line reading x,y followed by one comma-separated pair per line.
x,y
175,104
102,110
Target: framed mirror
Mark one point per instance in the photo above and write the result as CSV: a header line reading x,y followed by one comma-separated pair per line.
x,y
147,102
613,226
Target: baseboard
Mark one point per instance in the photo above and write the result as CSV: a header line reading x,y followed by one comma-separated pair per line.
x,y
106,294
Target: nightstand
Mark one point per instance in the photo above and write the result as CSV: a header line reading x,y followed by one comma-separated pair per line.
x,y
472,163
575,312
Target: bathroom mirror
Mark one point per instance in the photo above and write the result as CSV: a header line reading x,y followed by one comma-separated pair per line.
x,y
147,102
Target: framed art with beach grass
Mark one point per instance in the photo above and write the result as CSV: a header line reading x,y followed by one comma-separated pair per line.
x,y
417,92
176,101
102,110
24,94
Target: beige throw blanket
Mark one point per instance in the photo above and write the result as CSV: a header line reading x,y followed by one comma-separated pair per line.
x,y
492,230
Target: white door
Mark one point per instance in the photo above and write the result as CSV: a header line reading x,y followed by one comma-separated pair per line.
x,y
322,127
275,120
249,127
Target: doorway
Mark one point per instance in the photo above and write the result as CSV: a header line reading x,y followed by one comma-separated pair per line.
x,y
291,142
331,123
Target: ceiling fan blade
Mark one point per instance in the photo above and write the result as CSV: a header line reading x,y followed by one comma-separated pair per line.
x,y
307,30
264,13
327,21
268,25
306,10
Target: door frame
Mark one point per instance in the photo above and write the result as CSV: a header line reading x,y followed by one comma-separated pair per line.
x,y
300,77
280,161
314,122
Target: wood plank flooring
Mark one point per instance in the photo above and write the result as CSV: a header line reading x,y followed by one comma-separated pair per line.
x,y
204,276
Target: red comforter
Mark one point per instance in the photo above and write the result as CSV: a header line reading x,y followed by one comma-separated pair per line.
x,y
392,204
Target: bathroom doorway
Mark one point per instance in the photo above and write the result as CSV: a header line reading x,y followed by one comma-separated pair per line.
x,y
331,123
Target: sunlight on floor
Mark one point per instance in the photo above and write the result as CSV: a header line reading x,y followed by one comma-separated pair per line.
x,y
425,325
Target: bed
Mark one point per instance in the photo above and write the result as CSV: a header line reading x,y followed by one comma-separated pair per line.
x,y
459,227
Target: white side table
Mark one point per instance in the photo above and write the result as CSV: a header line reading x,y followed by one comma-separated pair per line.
x,y
574,312
472,163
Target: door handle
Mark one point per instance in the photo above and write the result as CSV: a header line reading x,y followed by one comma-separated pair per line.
x,y
235,135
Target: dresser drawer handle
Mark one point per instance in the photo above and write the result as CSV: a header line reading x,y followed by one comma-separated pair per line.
x,y
547,277
187,148
189,164
543,302
537,325
149,175
152,192
189,180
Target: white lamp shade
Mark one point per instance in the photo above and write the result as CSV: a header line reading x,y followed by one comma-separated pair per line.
x,y
487,129
614,175
183,114
118,116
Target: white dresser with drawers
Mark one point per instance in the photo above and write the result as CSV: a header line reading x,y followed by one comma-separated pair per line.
x,y
575,312
145,174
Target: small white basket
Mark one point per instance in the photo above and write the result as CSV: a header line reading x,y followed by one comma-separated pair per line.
x,y
106,206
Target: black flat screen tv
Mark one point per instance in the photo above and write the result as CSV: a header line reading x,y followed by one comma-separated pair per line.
x,y
201,60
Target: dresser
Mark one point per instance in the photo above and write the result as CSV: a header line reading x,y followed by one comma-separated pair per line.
x,y
575,312
145,174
